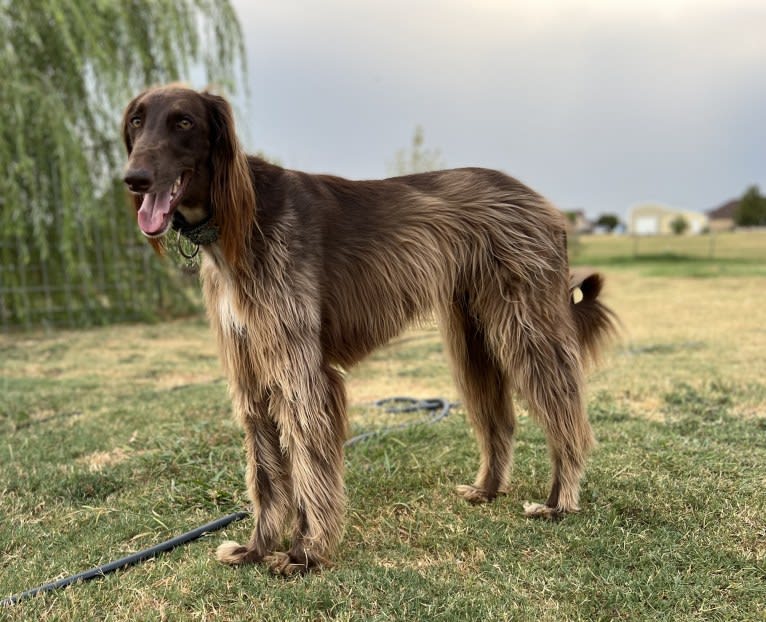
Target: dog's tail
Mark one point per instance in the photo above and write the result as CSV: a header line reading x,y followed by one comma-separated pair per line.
x,y
595,323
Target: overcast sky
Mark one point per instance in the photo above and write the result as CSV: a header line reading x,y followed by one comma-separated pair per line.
x,y
597,105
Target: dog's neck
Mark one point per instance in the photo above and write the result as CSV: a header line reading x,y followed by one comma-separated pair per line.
x,y
202,233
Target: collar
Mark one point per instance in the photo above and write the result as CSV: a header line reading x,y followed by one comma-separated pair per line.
x,y
205,232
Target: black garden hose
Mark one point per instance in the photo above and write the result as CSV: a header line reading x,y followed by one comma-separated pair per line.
x,y
439,408
135,558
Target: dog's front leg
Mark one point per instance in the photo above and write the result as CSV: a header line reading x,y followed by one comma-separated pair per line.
x,y
312,421
268,482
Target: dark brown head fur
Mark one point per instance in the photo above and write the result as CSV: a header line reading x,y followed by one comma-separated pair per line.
x,y
174,133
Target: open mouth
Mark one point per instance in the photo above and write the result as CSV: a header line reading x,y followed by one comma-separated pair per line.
x,y
155,216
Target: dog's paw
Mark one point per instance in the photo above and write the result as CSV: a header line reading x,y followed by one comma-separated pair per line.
x,y
283,565
292,563
474,494
233,553
540,510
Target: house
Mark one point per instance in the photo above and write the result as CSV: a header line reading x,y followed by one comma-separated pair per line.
x,y
657,219
577,222
722,218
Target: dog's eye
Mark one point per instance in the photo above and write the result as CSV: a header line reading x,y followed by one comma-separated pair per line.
x,y
135,121
184,124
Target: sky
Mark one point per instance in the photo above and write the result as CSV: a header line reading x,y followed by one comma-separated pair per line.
x,y
598,105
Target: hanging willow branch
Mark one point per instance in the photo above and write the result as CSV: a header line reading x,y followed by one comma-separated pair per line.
x,y
68,67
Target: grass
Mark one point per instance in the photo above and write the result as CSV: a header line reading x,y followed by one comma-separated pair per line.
x,y
119,437
741,253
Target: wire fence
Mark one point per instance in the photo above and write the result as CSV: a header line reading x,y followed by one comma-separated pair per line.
x,y
740,245
110,274
106,275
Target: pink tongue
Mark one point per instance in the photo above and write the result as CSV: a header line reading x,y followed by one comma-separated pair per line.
x,y
153,212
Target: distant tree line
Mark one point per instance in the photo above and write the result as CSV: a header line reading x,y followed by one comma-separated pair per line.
x,y
751,211
608,221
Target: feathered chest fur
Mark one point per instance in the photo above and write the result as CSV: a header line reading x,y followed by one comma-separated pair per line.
x,y
264,325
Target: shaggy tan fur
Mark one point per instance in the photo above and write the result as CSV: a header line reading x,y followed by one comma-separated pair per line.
x,y
312,272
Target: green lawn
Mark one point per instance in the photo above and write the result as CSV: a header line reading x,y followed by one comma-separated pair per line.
x,y
722,254
120,437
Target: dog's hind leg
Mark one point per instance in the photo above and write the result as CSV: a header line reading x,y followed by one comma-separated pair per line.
x,y
551,379
484,387
267,481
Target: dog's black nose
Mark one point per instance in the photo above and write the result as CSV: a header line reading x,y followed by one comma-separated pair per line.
x,y
138,179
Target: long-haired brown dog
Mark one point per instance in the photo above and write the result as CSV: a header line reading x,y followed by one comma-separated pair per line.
x,y
303,274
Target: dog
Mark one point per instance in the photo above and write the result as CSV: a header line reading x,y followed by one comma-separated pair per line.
x,y
303,275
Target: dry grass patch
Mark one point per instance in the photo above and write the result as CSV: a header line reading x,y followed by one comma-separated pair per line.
x,y
683,330
671,526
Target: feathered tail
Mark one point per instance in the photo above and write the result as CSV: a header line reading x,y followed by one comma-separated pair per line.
x,y
596,324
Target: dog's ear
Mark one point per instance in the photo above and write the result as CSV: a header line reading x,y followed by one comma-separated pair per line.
x,y
231,186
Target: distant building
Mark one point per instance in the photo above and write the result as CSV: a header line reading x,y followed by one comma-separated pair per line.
x,y
577,221
656,219
722,218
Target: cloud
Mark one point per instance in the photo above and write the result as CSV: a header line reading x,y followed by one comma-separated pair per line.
x,y
595,104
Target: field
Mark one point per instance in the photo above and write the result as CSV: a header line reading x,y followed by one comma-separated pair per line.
x,y
120,437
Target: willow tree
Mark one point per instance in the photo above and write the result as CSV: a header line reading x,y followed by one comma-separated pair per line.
x,y
68,67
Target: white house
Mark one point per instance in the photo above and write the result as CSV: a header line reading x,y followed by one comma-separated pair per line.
x,y
657,219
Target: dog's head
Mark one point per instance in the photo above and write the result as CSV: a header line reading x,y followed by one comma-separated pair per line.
x,y
184,157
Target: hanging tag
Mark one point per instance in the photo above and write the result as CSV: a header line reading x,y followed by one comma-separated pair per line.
x,y
188,250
